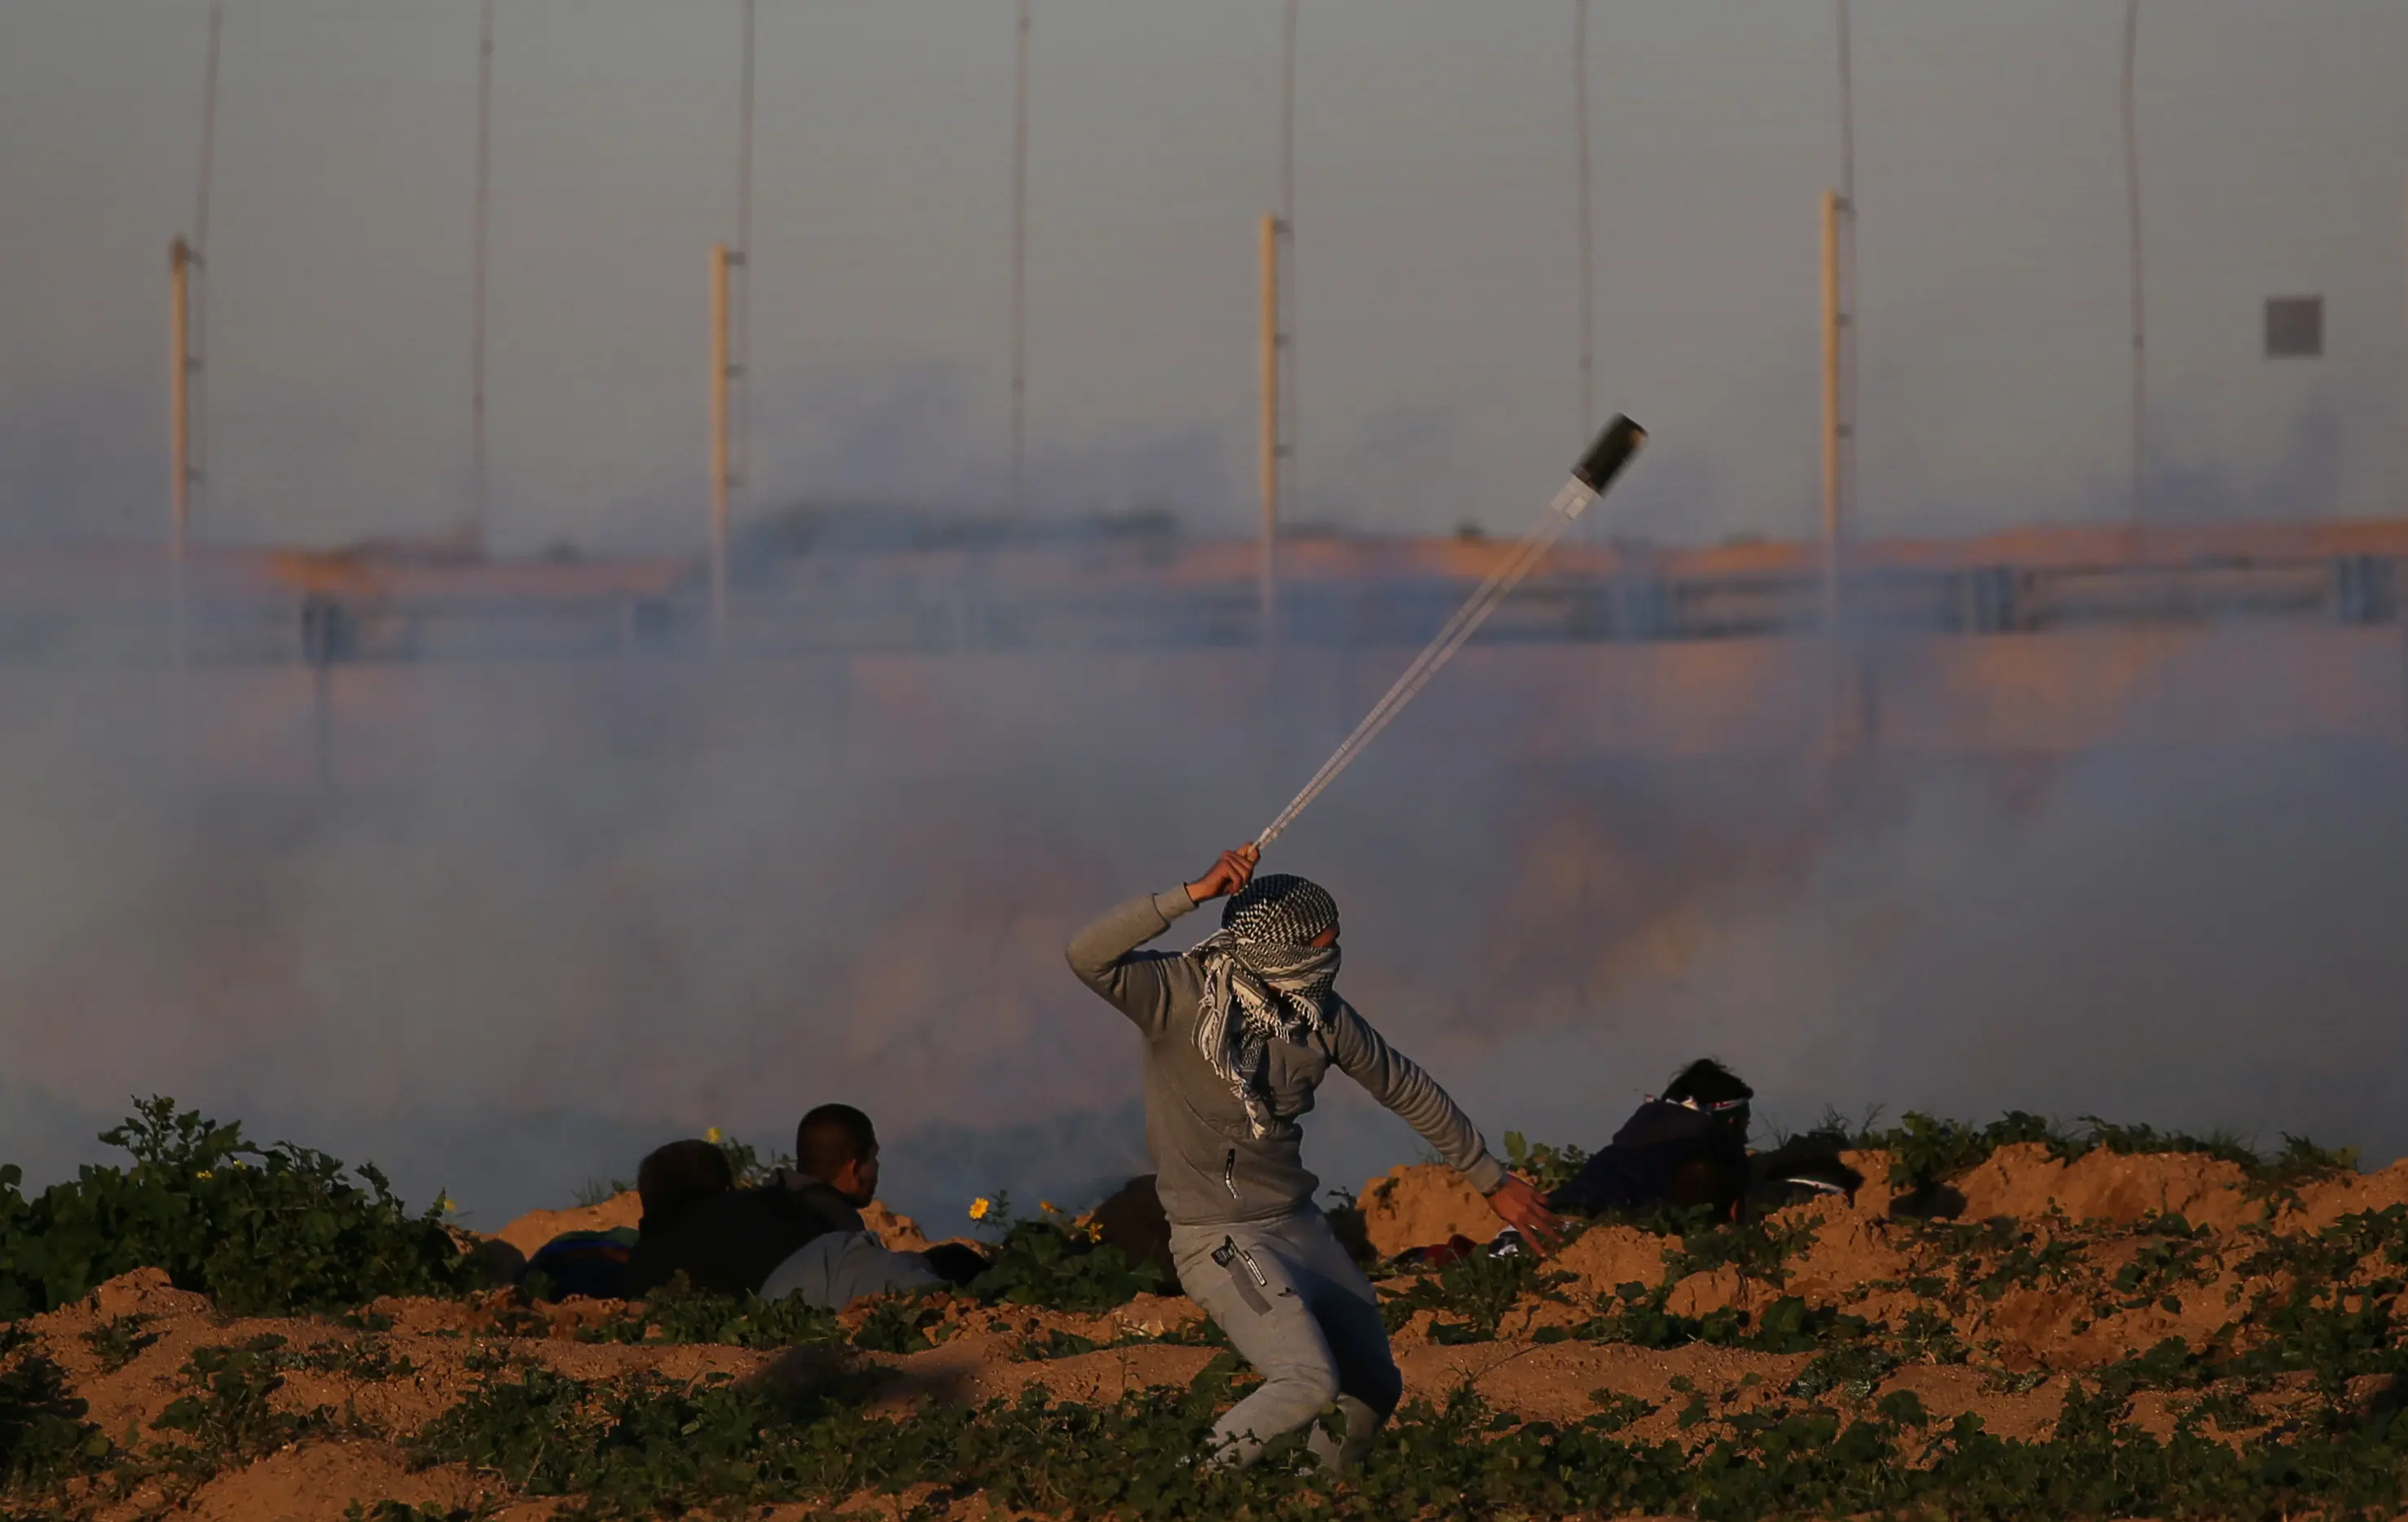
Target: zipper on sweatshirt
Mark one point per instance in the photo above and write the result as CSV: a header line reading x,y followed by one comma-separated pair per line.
x,y
1230,1175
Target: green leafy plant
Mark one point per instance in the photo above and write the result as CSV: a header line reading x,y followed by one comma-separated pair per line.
x,y
366,1360
44,1438
258,1229
1472,1294
2172,1257
677,1314
1550,1168
228,1415
532,1428
118,1340
900,1324
1853,1368
1049,1264
1759,1249
1925,1151
2132,1141
751,1167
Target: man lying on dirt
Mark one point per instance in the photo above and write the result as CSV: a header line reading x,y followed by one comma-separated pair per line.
x,y
1689,1149
675,1177
1238,1033
799,1234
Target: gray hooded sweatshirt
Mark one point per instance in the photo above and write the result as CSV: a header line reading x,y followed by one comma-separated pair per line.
x,y
1211,1169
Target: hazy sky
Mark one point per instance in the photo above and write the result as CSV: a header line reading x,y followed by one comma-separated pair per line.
x,y
1437,279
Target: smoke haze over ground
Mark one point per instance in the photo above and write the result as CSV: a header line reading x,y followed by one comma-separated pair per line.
x,y
555,913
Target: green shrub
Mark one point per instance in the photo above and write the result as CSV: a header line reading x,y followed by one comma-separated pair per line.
x,y
120,1340
1550,1168
899,1323
230,1416
1476,1291
1925,1151
533,1429
1055,1267
44,1438
258,1229
673,1314
1759,1249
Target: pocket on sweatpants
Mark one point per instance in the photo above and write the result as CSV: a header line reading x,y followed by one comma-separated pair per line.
x,y
1246,1274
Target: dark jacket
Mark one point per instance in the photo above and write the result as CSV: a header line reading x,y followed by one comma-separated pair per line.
x,y
727,1244
1637,1170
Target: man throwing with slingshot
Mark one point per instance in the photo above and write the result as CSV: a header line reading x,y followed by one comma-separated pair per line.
x,y
1238,1033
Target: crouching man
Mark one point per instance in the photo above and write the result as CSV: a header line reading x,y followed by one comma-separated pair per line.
x,y
799,1234
1238,1032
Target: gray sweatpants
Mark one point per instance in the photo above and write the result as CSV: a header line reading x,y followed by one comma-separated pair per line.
x,y
834,1269
1297,1308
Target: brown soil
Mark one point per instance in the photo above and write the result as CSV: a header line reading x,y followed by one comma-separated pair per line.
x,y
900,1233
2012,1304
537,1226
1419,1205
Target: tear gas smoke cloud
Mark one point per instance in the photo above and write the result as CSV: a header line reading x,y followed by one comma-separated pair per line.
x,y
561,912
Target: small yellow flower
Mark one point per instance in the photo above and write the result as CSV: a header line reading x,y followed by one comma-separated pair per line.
x,y
711,1136
445,1205
1049,1207
980,1206
202,1174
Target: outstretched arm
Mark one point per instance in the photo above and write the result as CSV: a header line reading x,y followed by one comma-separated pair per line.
x,y
1398,1083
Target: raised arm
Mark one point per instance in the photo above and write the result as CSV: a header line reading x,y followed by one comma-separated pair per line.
x,y
1398,1083
1105,954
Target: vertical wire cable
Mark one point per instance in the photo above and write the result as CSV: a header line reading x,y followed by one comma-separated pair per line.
x,y
199,427
1287,459
1020,261
2132,210
478,521
1848,325
1587,220
741,363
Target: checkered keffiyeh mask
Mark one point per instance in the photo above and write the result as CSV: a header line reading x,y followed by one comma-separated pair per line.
x,y
1262,981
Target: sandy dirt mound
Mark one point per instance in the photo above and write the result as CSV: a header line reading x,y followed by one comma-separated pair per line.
x,y
1422,1205
900,1233
320,1480
2324,1202
2025,1182
536,1227
1606,1256
1849,1250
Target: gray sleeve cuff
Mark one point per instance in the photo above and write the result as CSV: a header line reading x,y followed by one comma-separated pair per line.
x,y
1486,1173
1173,904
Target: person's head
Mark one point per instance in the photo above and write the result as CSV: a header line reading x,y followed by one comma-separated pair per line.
x,y
1708,1087
670,1179
1281,910
837,1145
